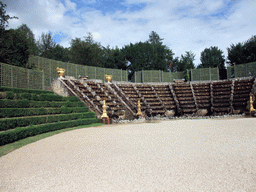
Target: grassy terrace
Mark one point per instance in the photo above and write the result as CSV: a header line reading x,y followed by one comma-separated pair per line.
x,y
29,115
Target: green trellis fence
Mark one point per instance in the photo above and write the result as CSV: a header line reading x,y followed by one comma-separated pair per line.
x,y
48,66
242,70
18,77
161,76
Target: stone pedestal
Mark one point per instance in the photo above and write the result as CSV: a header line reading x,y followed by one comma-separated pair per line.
x,y
106,120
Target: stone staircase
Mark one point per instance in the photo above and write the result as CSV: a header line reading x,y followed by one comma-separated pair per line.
x,y
133,96
166,96
221,97
185,97
242,89
202,92
214,97
152,99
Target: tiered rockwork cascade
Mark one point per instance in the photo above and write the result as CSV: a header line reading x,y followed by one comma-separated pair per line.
x,y
166,97
185,97
221,101
203,96
132,95
242,90
128,102
153,101
173,99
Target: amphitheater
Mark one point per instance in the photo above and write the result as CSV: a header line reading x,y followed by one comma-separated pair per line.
x,y
208,98
193,154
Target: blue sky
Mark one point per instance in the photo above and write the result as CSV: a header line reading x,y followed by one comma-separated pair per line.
x,y
185,25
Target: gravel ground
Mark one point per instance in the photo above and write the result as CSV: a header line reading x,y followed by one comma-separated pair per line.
x,y
176,155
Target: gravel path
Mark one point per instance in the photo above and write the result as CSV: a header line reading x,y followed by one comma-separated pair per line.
x,y
178,155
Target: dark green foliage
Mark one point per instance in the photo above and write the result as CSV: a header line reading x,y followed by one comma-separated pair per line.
x,y
149,55
244,52
86,52
20,133
185,62
14,48
4,18
17,90
214,57
46,45
12,123
32,47
9,95
50,97
25,96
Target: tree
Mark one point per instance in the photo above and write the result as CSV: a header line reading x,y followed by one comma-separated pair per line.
x,y
86,52
14,48
162,55
4,18
185,62
214,57
33,49
149,55
241,53
60,53
114,58
45,45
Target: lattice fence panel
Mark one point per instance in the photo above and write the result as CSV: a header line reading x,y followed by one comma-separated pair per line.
x,y
116,76
6,75
54,64
166,76
21,78
100,73
35,80
18,77
81,70
176,75
124,76
215,73
146,76
156,76
138,76
45,66
71,70
251,69
91,72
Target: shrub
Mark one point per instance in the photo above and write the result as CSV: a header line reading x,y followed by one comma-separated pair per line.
x,y
26,96
22,103
20,133
9,95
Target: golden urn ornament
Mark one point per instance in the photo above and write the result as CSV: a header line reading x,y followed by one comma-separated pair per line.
x,y
108,78
60,71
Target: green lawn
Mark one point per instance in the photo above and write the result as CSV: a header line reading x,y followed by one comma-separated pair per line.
x,y
18,144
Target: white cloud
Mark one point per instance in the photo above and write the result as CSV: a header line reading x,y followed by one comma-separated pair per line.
x,y
185,25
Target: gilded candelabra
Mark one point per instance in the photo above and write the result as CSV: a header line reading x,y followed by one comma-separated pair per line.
x,y
104,107
139,110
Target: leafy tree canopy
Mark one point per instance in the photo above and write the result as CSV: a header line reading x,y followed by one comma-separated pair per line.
x,y
33,49
14,48
4,17
86,52
244,52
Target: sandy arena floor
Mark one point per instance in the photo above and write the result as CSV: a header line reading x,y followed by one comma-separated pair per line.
x,y
178,155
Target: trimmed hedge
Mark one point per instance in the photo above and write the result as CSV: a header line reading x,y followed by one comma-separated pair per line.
x,y
11,123
17,90
19,112
21,133
24,103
